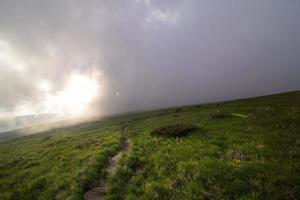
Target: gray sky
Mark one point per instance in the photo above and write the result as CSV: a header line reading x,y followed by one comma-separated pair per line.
x,y
145,54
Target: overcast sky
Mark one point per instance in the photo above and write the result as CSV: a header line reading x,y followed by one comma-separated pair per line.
x,y
146,54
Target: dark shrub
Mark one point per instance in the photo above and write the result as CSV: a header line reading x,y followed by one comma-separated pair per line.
x,y
174,130
178,110
219,115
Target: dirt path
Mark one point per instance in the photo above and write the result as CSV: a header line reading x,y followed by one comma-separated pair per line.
x,y
98,192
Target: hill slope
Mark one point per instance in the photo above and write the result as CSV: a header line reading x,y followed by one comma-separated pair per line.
x,y
244,149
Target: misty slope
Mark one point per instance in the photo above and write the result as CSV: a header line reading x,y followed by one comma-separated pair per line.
x,y
11,123
244,149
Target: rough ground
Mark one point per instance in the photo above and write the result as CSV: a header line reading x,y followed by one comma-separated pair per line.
x,y
244,149
98,192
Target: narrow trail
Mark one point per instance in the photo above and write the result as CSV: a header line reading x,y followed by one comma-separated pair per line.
x,y
98,192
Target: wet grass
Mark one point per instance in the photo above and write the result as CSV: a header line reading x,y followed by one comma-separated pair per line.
x,y
245,149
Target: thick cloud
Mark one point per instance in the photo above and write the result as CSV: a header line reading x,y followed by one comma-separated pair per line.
x,y
150,53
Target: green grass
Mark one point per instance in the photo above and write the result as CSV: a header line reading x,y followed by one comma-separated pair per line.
x,y
59,164
251,150
244,149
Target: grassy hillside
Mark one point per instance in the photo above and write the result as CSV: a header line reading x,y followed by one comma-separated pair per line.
x,y
245,149
60,164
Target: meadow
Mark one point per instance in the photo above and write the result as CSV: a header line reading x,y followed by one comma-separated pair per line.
x,y
59,164
243,149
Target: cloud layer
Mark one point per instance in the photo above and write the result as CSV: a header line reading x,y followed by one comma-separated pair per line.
x,y
147,54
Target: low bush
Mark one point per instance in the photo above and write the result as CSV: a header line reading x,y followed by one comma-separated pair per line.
x,y
219,115
174,130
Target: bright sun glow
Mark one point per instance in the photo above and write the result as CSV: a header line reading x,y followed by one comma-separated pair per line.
x,y
75,98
